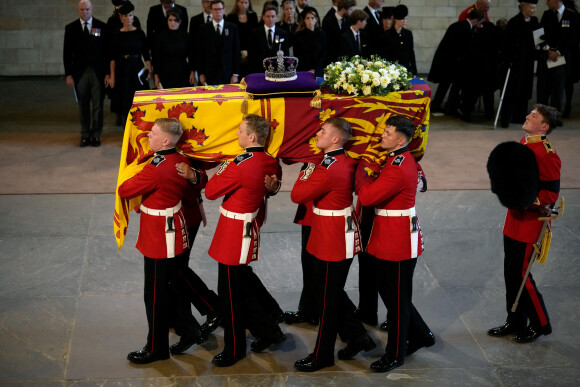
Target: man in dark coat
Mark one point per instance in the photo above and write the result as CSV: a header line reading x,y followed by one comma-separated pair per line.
x,y
157,19
521,54
374,28
195,23
448,61
334,25
561,36
355,41
219,62
86,64
397,42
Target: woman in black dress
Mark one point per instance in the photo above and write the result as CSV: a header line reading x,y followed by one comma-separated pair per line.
x,y
521,51
170,55
114,21
397,42
128,50
289,18
310,43
246,20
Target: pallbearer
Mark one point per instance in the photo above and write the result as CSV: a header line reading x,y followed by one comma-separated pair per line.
x,y
395,242
334,240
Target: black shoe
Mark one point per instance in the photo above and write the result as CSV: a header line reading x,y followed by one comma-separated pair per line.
x,y
223,360
278,316
211,323
311,364
185,343
95,141
366,318
428,341
385,365
364,343
504,330
298,317
85,141
530,333
143,356
262,343
384,326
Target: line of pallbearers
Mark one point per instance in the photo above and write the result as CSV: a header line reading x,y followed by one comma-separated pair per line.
x,y
170,185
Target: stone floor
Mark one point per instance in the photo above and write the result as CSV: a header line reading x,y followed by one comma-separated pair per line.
x,y
71,305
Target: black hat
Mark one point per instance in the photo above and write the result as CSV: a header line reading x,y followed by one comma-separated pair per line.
x,y
387,12
528,1
401,11
126,7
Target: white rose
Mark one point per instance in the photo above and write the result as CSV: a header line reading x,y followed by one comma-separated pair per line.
x,y
376,82
366,90
350,88
365,78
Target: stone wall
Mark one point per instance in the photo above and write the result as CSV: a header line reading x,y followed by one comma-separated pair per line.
x,y
32,31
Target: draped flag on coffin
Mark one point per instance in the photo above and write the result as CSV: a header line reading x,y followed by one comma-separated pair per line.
x,y
211,117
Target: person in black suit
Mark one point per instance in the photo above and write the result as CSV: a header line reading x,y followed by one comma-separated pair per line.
x,y
246,20
114,22
170,55
310,44
561,36
520,51
334,25
195,23
448,62
289,17
219,63
85,60
397,42
355,41
266,40
374,28
301,5
157,19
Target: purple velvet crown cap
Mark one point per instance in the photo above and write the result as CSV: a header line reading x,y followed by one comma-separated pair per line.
x,y
280,68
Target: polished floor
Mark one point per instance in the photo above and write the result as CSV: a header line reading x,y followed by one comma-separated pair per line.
x,y
71,305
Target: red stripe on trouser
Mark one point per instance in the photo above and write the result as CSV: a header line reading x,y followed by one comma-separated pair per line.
x,y
530,288
398,308
195,291
153,311
232,311
323,310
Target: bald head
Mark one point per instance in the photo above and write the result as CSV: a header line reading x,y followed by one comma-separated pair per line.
x,y
85,10
483,5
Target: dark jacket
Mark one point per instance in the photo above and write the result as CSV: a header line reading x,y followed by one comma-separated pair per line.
x,y
81,50
220,58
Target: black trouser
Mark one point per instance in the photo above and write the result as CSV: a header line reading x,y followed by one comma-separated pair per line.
x,y
241,308
206,301
90,89
531,304
395,283
307,303
161,299
335,309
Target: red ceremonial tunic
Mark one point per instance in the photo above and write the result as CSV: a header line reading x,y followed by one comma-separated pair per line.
x,y
161,188
523,225
242,182
395,188
330,185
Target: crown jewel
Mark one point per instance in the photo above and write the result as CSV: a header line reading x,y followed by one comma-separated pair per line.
x,y
280,68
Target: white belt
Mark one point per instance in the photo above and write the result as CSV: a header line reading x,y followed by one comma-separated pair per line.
x,y
248,218
349,232
407,212
169,225
410,213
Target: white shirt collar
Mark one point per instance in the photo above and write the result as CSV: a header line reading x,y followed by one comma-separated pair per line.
x,y
561,9
221,23
89,22
273,28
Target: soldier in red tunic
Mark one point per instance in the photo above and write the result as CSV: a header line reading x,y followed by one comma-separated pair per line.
x,y
522,229
480,5
334,240
236,241
163,238
395,242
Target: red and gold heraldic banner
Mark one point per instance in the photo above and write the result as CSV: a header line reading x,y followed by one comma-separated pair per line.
x,y
211,117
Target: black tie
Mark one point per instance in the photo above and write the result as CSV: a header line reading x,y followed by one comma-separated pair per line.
x,y
208,19
269,38
86,29
217,30
357,42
